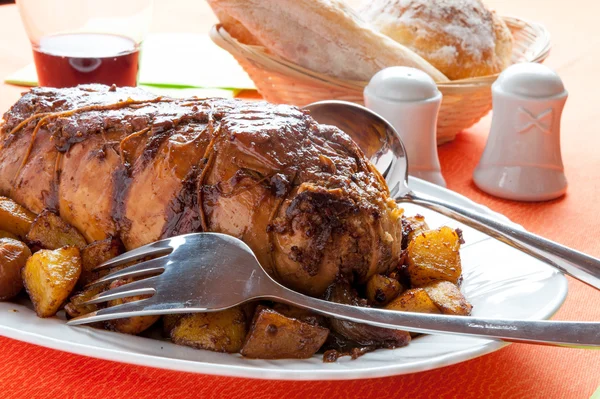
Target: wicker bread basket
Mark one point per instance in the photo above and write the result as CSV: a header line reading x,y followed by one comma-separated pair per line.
x,y
465,101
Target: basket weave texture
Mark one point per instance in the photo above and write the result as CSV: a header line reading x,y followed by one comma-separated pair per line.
x,y
464,102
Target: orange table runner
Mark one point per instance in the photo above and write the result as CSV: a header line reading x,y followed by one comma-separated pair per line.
x,y
518,371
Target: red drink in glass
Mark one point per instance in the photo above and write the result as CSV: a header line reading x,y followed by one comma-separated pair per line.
x,y
66,60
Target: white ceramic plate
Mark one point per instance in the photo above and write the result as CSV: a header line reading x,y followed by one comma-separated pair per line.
x,y
498,280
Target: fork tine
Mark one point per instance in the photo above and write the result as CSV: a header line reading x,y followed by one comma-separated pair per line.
x,y
115,312
141,269
141,287
135,254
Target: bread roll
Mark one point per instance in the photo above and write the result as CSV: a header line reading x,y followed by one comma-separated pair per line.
x,y
235,28
321,35
461,38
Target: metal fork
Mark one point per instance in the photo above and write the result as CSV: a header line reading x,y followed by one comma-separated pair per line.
x,y
206,272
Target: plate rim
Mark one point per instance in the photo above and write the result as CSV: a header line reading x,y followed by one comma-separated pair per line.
x,y
252,372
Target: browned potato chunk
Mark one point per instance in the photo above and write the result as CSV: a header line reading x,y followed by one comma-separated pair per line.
x,y
216,331
95,254
13,256
414,300
75,308
301,314
14,218
169,321
434,255
129,325
274,336
50,276
6,234
380,289
49,231
448,298
413,226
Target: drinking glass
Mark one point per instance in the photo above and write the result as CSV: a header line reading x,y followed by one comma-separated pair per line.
x,y
86,41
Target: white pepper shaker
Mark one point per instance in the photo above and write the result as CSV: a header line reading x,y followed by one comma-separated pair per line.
x,y
522,158
409,99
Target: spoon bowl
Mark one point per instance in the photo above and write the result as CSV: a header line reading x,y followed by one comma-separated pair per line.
x,y
382,145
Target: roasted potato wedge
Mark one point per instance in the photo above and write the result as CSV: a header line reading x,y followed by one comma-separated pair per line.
x,y
381,289
50,276
129,325
13,256
448,298
434,255
95,254
14,218
169,321
412,226
216,331
74,307
301,314
275,336
414,300
49,231
6,234
133,325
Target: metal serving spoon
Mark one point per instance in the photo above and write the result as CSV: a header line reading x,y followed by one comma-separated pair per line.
x,y
382,145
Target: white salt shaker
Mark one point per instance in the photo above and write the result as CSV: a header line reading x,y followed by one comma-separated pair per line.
x,y
522,158
409,99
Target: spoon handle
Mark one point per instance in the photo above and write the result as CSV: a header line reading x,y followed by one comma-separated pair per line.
x,y
574,263
583,335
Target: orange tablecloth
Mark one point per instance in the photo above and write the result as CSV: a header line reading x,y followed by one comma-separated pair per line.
x,y
518,371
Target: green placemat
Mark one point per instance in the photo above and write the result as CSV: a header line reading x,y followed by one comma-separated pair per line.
x,y
176,61
190,92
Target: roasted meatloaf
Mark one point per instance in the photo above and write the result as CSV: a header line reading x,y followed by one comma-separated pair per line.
x,y
125,163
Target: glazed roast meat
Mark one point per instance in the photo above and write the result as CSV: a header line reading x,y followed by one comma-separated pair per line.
x,y
125,163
